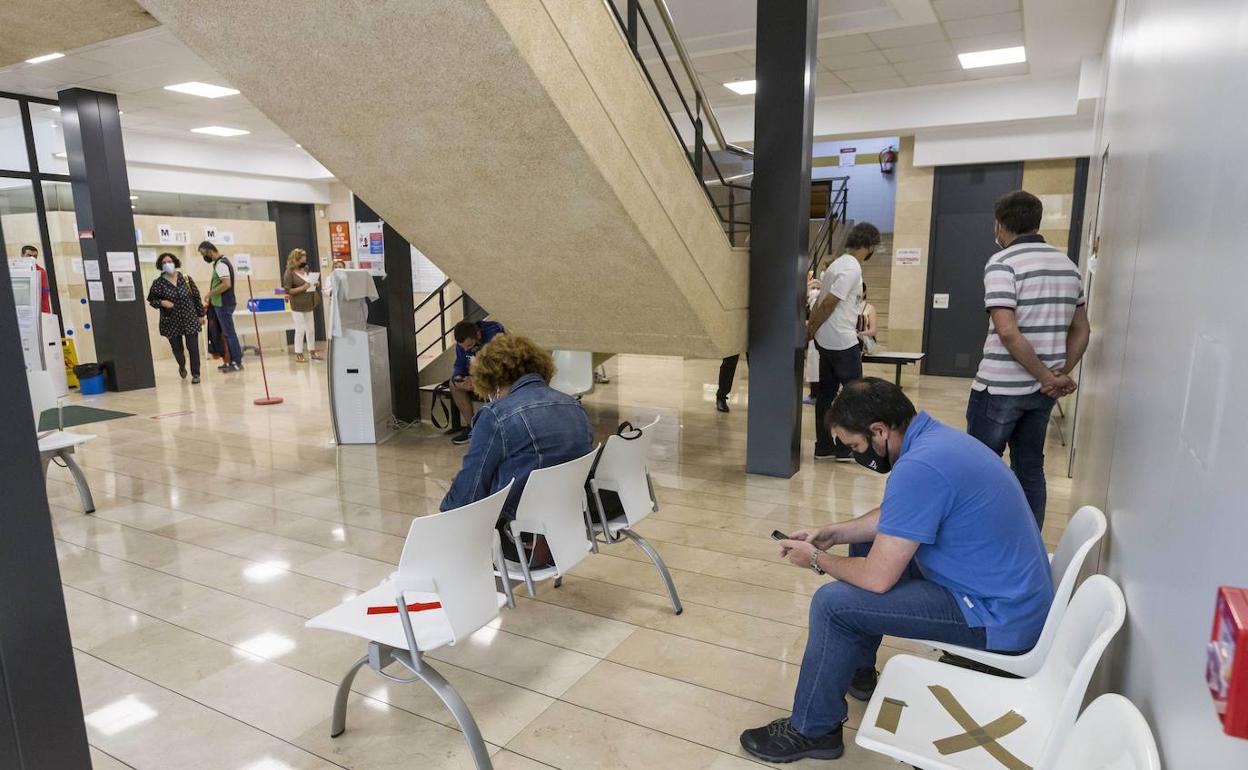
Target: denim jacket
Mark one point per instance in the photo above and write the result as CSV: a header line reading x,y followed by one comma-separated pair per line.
x,y
533,426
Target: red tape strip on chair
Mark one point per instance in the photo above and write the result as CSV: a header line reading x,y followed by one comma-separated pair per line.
x,y
386,609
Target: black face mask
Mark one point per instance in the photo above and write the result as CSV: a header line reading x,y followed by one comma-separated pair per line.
x,y
880,463
870,254
207,258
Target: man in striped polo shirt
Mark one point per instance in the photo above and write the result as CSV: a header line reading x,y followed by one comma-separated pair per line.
x,y
1037,333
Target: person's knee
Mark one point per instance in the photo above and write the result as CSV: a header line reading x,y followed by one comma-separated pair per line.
x,y
831,602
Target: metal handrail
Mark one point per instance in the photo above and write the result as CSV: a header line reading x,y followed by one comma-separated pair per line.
x,y
443,306
837,211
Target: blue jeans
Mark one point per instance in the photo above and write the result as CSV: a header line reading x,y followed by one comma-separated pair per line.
x,y
229,337
847,625
1021,423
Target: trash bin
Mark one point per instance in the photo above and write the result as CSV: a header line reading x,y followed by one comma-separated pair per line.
x,y
90,378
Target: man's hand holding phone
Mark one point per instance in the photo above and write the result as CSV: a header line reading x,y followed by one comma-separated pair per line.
x,y
798,546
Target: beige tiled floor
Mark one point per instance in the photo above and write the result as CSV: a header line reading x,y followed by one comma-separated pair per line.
x,y
220,530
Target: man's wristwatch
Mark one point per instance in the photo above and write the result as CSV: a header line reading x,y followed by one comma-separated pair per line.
x,y
814,562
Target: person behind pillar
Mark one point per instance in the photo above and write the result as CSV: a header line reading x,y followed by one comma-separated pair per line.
x,y
950,555
30,258
304,300
833,325
1037,333
222,303
727,372
469,337
177,298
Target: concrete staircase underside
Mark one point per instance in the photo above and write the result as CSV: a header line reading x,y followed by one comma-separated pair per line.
x,y
516,144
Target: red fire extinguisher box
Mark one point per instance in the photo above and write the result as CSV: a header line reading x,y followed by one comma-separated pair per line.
x,y
1226,670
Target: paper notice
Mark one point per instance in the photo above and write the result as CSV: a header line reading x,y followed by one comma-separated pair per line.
x,y
164,233
123,287
76,264
908,257
95,291
121,262
226,237
242,264
91,268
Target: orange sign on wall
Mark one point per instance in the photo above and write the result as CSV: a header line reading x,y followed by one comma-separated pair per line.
x,y
340,240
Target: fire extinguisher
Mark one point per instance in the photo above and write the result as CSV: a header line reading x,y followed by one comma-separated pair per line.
x,y
888,160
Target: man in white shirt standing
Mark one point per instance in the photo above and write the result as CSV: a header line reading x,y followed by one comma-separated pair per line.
x,y
1037,332
833,325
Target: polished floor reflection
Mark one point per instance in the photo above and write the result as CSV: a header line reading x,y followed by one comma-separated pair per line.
x,y
222,526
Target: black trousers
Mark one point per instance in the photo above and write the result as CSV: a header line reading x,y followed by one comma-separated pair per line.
x,y
836,367
727,372
192,347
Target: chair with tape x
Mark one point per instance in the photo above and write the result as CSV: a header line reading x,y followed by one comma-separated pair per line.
x,y
443,591
942,717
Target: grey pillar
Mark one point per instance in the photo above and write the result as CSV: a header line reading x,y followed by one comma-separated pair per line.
x,y
97,172
783,124
401,325
40,709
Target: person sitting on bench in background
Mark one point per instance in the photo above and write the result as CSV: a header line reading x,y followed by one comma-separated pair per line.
x,y
469,337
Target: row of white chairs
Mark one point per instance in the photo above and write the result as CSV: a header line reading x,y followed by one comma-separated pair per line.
x,y
452,564
943,717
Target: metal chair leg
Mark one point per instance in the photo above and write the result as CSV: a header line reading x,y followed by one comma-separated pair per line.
x,y
80,480
658,562
500,566
340,700
459,709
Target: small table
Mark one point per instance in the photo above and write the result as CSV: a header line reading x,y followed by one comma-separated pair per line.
x,y
894,359
268,321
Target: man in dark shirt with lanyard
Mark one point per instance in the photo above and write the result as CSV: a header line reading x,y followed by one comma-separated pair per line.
x,y
221,303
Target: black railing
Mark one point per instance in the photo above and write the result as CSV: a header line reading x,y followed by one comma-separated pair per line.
x,y
438,295
833,218
693,103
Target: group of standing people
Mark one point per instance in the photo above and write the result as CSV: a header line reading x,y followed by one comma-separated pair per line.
x,y
184,309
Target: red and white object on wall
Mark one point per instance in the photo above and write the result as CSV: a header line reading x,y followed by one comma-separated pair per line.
x,y
1226,670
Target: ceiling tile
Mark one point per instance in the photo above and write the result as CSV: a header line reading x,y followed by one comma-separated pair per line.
x,y
883,84
1001,71
948,10
985,25
915,52
839,44
830,86
942,64
904,36
935,78
988,42
844,61
725,61
743,72
867,73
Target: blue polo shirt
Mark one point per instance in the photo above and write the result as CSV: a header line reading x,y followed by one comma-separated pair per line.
x,y
977,536
463,358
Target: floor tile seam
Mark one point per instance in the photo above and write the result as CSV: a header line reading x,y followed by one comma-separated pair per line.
x,y
213,709
111,756
674,570
294,669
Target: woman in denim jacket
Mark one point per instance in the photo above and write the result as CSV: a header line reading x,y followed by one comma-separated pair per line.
x,y
525,426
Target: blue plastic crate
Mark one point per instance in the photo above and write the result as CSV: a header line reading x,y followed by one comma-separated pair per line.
x,y
266,304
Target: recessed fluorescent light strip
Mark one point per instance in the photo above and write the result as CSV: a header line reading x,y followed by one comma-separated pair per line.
x,y
220,131
206,90
743,87
993,58
45,57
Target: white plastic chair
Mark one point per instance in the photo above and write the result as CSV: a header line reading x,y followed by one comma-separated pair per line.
x,y
57,443
1042,708
1111,734
1085,530
574,372
623,469
552,505
446,560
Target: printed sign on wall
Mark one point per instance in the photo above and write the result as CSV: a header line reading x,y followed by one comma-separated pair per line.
x,y
908,257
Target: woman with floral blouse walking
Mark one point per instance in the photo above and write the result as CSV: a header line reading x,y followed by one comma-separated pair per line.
x,y
177,298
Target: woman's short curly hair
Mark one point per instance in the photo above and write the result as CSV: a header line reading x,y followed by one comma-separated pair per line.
x,y
507,358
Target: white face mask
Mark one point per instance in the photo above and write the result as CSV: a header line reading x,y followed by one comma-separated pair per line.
x,y
167,267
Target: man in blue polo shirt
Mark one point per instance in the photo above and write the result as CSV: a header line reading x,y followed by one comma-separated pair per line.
x,y
952,555
469,337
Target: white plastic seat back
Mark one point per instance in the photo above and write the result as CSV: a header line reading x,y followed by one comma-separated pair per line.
x,y
42,394
454,549
1111,734
1093,619
574,372
553,504
623,469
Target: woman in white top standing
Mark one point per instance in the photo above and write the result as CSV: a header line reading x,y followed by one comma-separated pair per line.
x,y
300,286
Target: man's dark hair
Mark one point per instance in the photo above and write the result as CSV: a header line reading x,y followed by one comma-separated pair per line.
x,y
207,246
1019,212
27,248
863,235
177,263
467,330
870,400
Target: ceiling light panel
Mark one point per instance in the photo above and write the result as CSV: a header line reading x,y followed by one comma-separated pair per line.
x,y
220,131
206,90
45,57
743,87
993,58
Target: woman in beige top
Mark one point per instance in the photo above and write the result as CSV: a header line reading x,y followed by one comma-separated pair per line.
x,y
301,288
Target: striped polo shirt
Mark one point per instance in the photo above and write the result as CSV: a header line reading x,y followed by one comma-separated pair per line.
x,y
1043,288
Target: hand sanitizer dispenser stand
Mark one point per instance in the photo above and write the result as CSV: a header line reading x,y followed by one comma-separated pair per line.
x,y
359,362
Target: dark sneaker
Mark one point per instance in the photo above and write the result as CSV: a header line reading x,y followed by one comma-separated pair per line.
x,y
721,405
182,372
223,368
843,454
779,742
863,683
195,380
463,437
237,365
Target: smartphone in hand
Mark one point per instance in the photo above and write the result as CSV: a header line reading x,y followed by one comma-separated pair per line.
x,y
778,535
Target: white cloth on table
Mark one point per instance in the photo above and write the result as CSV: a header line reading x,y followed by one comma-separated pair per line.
x,y
345,287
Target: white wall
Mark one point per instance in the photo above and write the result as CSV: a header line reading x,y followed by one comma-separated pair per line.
x,y
1162,414
871,194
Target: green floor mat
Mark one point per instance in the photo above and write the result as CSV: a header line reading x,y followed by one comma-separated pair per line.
x,y
78,415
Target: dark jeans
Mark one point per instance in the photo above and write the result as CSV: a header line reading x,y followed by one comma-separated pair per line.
x,y
192,347
847,625
225,320
836,367
728,371
1021,423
